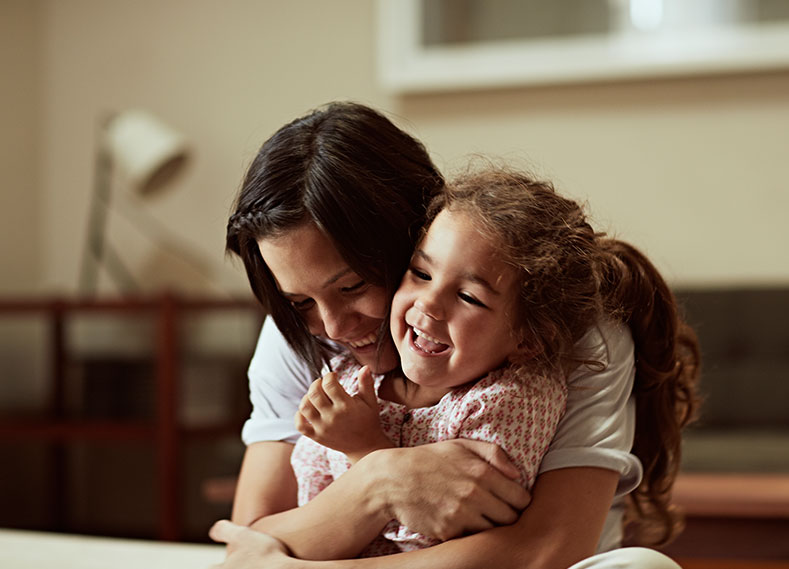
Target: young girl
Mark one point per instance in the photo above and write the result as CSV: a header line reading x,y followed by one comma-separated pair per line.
x,y
488,323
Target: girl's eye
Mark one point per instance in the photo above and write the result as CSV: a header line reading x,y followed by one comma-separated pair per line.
x,y
465,297
355,287
421,275
302,305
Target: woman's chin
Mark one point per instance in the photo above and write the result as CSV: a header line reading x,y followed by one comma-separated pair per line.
x,y
379,361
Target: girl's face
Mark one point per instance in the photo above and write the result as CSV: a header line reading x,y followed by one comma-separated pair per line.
x,y
334,301
452,317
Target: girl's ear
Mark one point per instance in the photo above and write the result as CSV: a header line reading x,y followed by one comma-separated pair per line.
x,y
527,350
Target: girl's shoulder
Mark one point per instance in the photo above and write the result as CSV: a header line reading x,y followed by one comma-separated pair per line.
x,y
517,381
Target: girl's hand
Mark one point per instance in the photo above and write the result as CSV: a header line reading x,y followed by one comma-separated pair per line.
x,y
249,549
345,423
453,488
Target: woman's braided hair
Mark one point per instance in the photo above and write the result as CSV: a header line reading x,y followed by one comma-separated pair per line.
x,y
360,179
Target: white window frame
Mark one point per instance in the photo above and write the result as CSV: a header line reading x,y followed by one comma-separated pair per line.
x,y
407,66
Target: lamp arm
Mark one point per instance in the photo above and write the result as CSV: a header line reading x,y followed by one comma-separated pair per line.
x,y
93,253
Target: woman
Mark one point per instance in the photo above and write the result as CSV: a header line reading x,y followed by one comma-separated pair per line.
x,y
325,223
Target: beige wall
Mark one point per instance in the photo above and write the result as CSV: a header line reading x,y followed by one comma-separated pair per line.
x,y
693,170
21,232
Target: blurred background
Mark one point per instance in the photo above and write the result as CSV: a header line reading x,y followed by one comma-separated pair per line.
x,y
688,162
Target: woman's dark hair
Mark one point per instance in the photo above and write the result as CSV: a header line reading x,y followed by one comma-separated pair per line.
x,y
360,179
570,279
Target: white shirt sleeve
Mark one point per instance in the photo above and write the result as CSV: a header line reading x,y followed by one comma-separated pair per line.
x,y
598,426
278,379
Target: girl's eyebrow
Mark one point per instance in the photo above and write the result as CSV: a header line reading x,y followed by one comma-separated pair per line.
x,y
475,278
469,276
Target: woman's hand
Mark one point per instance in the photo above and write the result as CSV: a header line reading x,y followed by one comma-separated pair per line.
x,y
445,489
249,549
348,424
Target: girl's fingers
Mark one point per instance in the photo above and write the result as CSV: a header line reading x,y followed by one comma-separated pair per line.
x,y
303,425
317,396
367,386
332,388
308,410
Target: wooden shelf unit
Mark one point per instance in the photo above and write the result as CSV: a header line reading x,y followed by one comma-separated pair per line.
x,y
164,430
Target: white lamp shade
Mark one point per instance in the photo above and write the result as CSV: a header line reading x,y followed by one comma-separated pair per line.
x,y
146,150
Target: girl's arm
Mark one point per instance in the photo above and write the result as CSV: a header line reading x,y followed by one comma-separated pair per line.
x,y
560,527
434,501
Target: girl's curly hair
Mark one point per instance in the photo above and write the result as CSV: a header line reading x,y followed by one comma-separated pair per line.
x,y
571,278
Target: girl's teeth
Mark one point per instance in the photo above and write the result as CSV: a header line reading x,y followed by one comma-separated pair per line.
x,y
428,344
426,337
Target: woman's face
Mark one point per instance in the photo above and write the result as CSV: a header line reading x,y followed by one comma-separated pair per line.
x,y
334,301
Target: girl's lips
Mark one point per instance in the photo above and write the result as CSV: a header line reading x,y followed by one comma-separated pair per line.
x,y
424,344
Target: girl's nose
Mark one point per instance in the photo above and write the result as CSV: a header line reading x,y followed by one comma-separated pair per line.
x,y
430,306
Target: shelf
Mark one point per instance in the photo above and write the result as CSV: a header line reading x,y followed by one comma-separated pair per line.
x,y
47,429
168,349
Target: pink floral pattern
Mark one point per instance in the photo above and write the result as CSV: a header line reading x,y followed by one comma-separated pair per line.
x,y
517,411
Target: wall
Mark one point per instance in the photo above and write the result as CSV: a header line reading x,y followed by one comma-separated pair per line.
x,y
226,75
690,169
21,236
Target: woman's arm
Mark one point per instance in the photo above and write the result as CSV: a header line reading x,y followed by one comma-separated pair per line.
x,y
453,487
561,526
278,379
266,484
450,491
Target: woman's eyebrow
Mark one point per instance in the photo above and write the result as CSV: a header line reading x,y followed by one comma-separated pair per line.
x,y
338,276
331,280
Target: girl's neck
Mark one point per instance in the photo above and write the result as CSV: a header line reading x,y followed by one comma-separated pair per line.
x,y
397,388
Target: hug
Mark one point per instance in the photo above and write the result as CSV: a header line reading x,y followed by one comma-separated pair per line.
x,y
456,373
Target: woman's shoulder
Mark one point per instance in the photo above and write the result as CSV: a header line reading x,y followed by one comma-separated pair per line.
x,y
608,356
607,341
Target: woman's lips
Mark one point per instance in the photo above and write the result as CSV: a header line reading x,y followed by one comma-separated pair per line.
x,y
365,342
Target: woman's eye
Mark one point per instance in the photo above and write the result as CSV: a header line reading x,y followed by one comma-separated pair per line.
x,y
302,305
465,297
355,287
421,275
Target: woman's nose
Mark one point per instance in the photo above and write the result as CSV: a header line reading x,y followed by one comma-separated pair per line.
x,y
337,321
